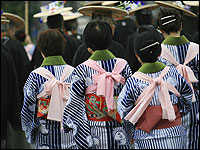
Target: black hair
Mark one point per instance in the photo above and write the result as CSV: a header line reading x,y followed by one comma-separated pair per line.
x,y
55,21
20,35
46,42
165,16
70,25
144,17
98,35
147,35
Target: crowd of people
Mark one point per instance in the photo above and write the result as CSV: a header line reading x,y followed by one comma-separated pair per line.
x,y
123,83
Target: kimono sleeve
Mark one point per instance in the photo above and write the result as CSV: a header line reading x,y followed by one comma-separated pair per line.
x,y
28,113
74,115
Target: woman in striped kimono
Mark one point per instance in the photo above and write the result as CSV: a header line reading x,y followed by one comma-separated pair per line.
x,y
45,95
184,55
155,97
91,109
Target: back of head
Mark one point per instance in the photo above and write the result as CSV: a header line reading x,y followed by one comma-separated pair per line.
x,y
46,43
20,35
144,17
147,43
70,25
98,35
55,21
169,20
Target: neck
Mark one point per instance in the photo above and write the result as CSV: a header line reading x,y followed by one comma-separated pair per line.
x,y
173,34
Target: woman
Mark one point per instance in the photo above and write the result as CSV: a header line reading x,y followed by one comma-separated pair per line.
x,y
45,95
91,110
184,55
150,98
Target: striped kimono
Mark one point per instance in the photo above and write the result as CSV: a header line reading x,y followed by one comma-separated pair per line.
x,y
178,47
89,133
172,137
40,131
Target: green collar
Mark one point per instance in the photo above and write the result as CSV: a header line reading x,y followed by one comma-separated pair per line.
x,y
102,55
170,40
151,67
53,60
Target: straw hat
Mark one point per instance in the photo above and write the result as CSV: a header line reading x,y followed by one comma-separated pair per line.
x,y
17,20
149,7
191,3
53,8
89,10
69,15
176,6
94,3
109,3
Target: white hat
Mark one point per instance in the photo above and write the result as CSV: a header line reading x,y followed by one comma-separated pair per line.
x,y
69,15
176,6
17,20
89,10
149,7
53,8
191,3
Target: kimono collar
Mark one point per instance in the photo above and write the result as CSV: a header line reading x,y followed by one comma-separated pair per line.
x,y
53,60
102,55
151,67
170,40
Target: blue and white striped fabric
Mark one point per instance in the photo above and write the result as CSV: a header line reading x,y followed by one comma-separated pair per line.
x,y
157,138
41,132
190,121
92,134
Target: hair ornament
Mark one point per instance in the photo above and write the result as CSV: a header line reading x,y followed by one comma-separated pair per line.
x,y
167,17
156,43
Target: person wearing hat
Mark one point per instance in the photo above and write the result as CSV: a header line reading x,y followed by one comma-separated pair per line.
x,y
123,25
71,24
9,90
189,18
45,95
144,16
150,97
16,50
178,51
194,7
91,110
106,14
54,20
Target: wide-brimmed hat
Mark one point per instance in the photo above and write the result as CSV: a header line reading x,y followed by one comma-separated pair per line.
x,y
116,12
51,9
69,15
149,7
176,6
94,3
17,20
191,3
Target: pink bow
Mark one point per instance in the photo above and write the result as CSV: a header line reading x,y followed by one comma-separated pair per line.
x,y
144,99
184,70
58,90
104,81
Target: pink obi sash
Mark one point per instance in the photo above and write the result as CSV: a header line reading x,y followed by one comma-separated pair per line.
x,y
104,81
59,91
185,71
146,96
